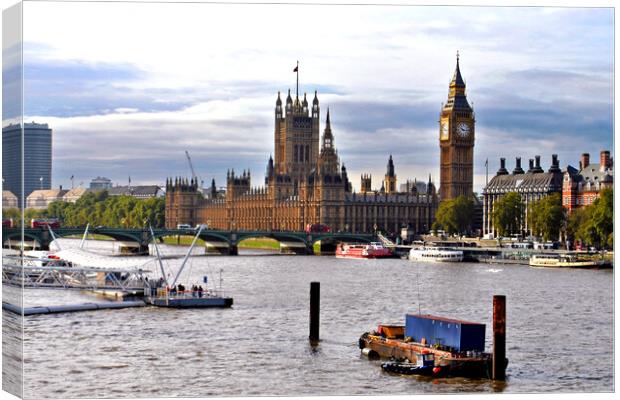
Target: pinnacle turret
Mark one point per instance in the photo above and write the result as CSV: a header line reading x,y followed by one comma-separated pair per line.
x,y
390,167
457,79
328,138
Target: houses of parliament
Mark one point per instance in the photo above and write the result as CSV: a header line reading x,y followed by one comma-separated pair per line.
x,y
306,182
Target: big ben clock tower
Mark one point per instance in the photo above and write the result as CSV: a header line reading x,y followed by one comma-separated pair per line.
x,y
456,141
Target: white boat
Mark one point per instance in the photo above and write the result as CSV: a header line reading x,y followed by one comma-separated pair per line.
x,y
563,261
435,254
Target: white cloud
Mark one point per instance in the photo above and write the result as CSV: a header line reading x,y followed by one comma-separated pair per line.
x,y
227,61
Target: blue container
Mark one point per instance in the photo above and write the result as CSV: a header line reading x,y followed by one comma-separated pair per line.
x,y
458,335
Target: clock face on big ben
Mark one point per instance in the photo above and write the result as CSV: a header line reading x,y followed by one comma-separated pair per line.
x,y
445,132
463,129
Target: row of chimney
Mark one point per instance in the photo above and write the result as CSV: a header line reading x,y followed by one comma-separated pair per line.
x,y
534,167
605,160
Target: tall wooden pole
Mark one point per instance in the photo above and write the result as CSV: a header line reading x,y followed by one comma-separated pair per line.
x,y
315,302
499,338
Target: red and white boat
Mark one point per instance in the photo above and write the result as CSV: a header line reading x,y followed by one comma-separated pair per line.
x,y
372,250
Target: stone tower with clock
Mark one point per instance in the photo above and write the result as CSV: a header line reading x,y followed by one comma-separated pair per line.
x,y
456,141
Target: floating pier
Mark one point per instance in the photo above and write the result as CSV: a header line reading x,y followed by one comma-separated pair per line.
x,y
71,307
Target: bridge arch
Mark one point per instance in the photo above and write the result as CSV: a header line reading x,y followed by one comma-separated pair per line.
x,y
288,242
17,236
342,238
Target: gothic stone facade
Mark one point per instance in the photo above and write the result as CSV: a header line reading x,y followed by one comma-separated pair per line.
x,y
304,184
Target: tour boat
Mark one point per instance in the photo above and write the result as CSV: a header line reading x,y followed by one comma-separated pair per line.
x,y
372,250
563,261
435,254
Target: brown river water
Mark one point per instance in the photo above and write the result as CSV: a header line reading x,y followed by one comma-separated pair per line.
x,y
559,331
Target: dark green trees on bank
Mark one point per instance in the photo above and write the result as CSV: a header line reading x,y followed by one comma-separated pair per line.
x,y
99,209
546,217
454,215
508,214
594,224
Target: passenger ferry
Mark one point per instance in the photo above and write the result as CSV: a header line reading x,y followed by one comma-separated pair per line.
x,y
372,250
435,254
563,261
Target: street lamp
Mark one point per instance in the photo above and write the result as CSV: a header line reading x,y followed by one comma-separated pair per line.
x,y
41,182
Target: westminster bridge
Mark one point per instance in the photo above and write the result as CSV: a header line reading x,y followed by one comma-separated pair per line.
x,y
223,242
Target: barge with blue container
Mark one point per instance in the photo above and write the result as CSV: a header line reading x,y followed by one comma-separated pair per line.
x,y
432,346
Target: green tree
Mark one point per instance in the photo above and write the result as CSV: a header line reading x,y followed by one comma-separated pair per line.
x,y
58,209
100,209
454,215
12,213
546,217
593,225
508,214
576,220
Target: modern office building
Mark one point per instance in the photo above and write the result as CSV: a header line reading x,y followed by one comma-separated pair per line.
x,y
100,182
37,160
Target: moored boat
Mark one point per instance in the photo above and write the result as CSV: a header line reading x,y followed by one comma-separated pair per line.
x,y
432,346
162,293
372,250
568,260
424,365
435,254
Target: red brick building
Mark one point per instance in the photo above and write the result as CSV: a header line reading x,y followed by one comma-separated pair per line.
x,y
581,188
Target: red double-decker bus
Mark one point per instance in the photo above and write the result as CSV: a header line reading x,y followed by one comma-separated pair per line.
x,y
44,223
320,228
7,223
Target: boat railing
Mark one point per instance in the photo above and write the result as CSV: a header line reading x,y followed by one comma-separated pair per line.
x,y
166,293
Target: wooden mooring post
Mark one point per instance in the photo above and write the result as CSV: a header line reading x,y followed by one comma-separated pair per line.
x,y
499,337
315,303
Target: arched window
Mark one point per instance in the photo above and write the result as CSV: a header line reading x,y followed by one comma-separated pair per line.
x,y
295,153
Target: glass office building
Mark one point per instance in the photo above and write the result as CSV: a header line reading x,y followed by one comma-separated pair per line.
x,y
37,158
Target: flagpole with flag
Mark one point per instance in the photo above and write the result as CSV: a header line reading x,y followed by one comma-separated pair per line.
x,y
297,71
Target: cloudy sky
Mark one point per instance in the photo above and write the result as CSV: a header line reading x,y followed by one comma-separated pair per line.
x,y
128,87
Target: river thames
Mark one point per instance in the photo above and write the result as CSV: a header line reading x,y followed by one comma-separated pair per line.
x,y
559,331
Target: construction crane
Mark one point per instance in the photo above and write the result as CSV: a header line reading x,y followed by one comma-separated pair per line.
x,y
191,167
